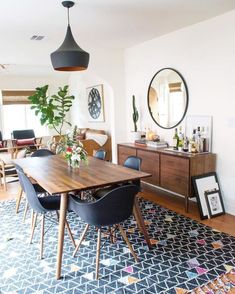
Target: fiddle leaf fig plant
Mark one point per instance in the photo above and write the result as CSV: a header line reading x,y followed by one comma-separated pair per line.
x,y
52,110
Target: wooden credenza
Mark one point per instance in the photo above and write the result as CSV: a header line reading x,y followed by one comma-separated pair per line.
x,y
170,170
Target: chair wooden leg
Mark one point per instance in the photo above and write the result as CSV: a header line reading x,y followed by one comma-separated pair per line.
x,y
81,239
20,193
70,233
140,221
33,227
98,254
4,181
68,228
32,218
25,210
42,235
127,242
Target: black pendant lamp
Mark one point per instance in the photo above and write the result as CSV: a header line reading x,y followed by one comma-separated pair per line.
x,y
69,56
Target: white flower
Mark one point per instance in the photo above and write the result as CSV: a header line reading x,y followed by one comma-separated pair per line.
x,y
78,149
75,157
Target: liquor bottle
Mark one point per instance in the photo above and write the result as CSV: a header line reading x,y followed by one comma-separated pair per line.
x,y
181,139
186,145
198,140
193,146
204,140
175,140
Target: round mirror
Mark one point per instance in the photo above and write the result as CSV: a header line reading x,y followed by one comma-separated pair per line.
x,y
167,98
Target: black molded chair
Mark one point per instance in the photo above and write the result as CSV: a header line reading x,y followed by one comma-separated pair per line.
x,y
39,189
133,162
39,205
42,152
112,209
100,154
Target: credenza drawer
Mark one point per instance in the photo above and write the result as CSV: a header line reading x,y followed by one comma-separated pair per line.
x,y
124,152
150,164
175,174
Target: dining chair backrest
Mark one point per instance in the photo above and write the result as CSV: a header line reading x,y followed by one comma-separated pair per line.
x,y
30,192
0,136
19,169
42,153
114,207
100,154
133,162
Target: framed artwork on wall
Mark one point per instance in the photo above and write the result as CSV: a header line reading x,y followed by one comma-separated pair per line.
x,y
192,122
95,103
214,203
205,184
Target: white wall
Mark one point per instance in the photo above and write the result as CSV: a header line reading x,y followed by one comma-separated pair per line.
x,y
205,55
79,111
106,67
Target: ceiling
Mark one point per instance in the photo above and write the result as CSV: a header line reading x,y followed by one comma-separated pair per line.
x,y
95,24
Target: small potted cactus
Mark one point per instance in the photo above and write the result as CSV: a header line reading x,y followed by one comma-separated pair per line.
x,y
135,116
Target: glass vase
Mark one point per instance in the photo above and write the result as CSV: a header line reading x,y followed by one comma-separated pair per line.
x,y
74,164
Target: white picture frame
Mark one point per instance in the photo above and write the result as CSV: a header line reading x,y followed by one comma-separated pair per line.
x,y
95,103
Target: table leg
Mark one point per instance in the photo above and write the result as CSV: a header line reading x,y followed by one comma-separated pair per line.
x,y
63,209
140,221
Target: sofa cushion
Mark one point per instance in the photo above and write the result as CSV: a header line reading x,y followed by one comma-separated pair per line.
x,y
1,144
23,134
25,142
81,136
81,131
90,132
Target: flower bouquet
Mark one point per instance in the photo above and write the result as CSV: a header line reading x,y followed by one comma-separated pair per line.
x,y
74,151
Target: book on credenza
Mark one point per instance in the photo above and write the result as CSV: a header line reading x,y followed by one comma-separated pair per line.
x,y
158,144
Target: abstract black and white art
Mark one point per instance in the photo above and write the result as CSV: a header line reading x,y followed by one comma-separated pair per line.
x,y
95,102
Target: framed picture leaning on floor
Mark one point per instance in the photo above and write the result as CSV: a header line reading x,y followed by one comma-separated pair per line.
x,y
205,184
214,203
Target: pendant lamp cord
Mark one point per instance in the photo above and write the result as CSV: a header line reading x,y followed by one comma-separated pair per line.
x,y
68,16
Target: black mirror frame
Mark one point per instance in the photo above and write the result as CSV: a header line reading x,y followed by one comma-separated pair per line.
x,y
187,96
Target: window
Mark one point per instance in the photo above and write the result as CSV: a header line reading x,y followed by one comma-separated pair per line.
x,y
20,117
17,115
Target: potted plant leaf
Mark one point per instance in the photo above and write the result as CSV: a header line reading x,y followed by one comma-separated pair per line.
x,y
52,110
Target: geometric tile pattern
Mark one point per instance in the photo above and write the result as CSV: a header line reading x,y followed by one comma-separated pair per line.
x,y
185,255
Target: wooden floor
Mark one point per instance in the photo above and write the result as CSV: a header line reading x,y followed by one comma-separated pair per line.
x,y
224,223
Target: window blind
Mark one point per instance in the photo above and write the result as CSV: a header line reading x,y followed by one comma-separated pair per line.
x,y
16,96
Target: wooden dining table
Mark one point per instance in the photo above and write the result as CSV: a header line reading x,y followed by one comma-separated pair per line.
x,y
56,177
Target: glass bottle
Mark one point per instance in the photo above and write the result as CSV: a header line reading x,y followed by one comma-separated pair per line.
x,y
193,142
198,140
181,139
175,140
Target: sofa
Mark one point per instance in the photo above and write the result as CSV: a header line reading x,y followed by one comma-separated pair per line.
x,y
91,139
94,140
